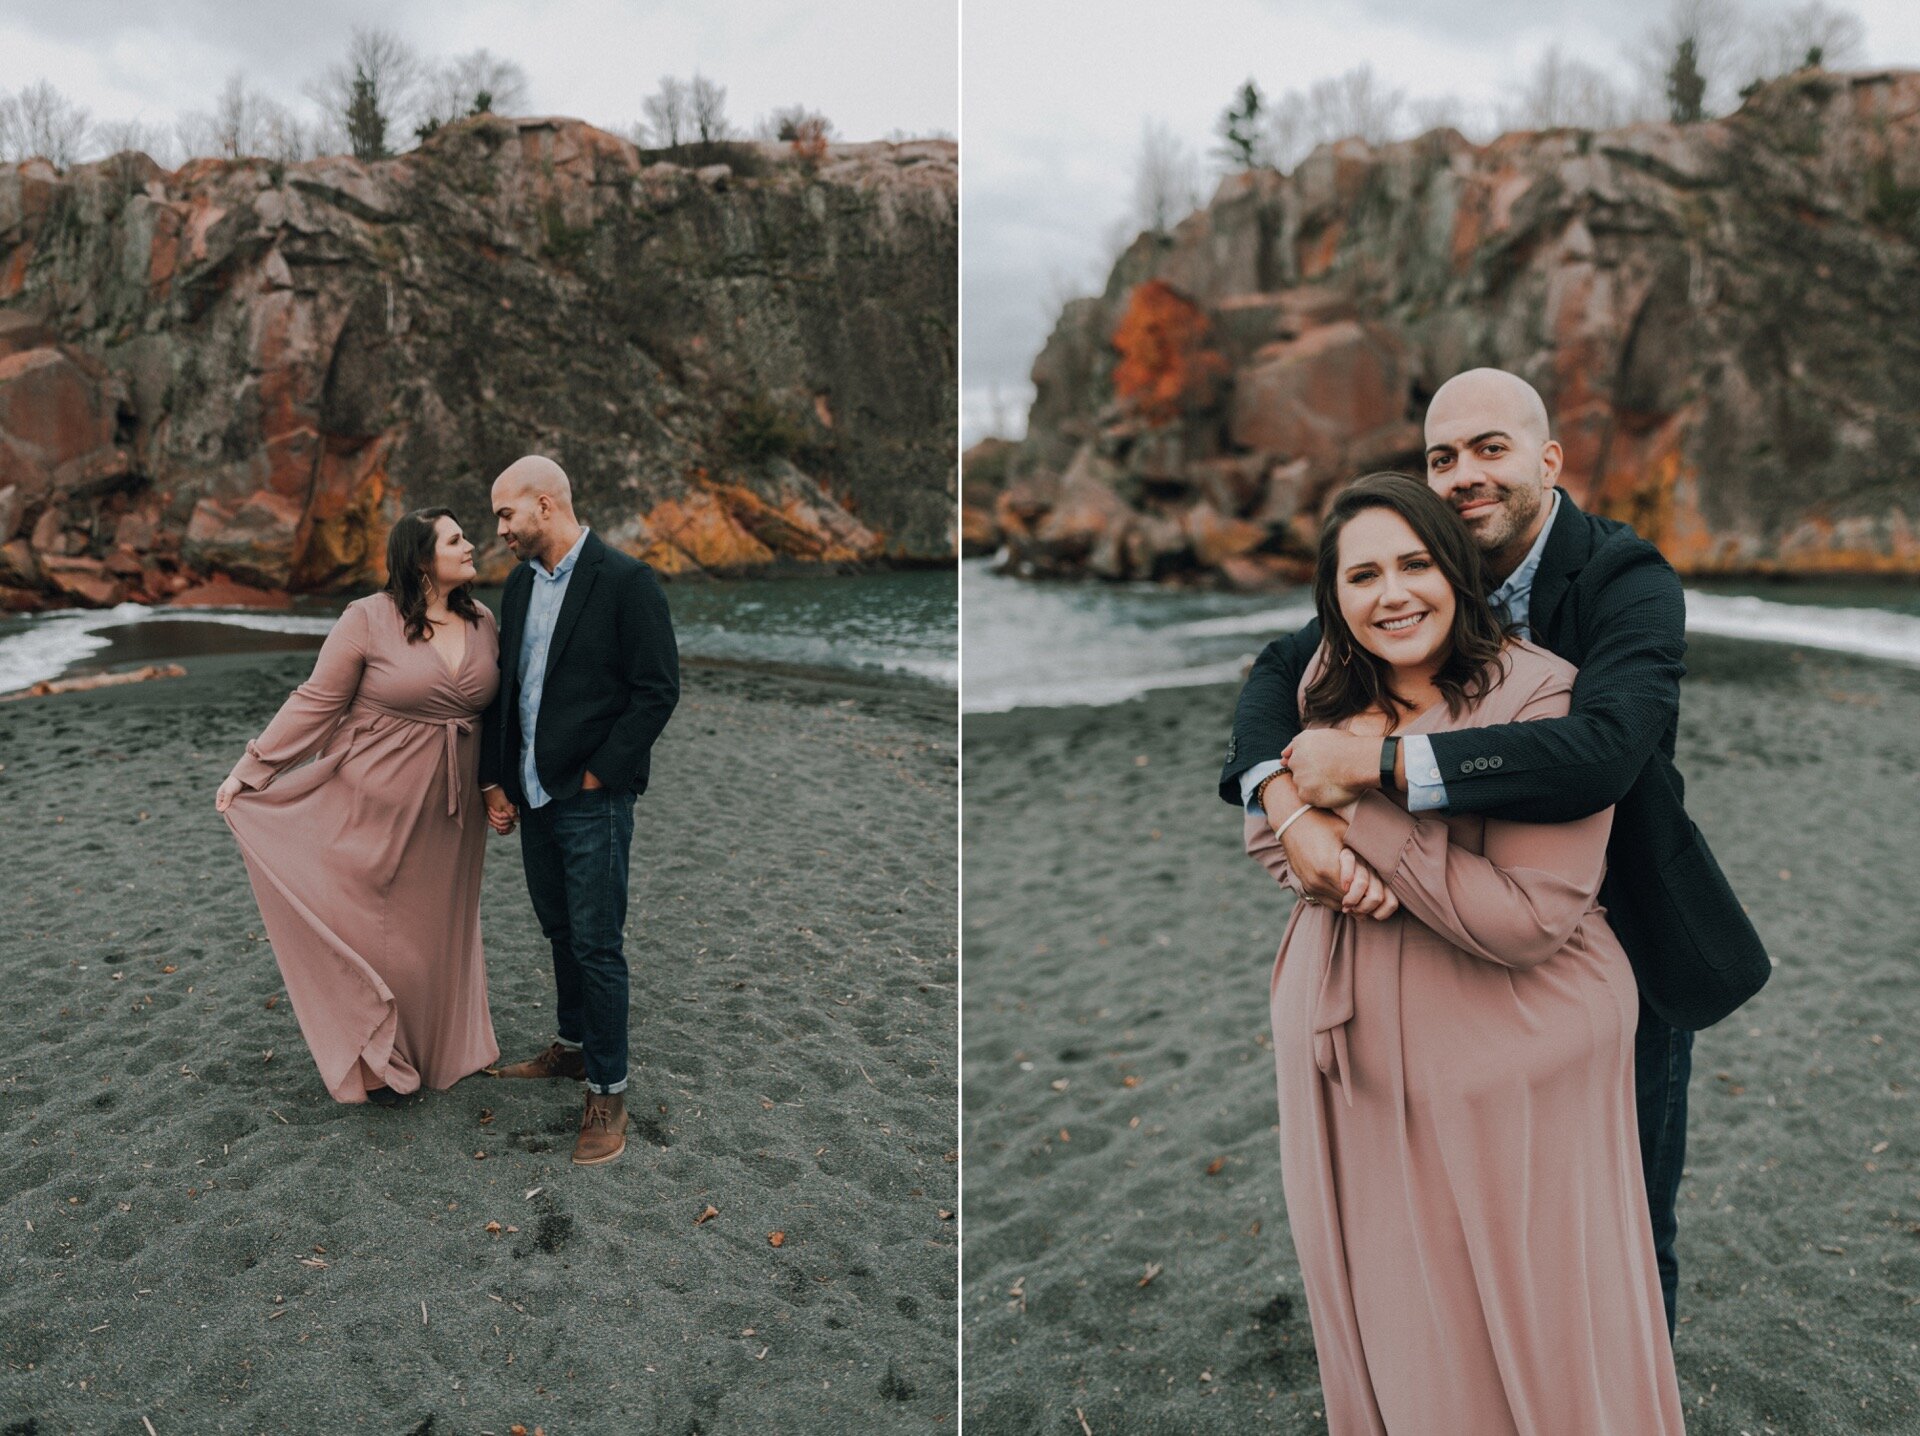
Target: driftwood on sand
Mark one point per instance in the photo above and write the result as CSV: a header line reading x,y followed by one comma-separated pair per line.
x,y
48,686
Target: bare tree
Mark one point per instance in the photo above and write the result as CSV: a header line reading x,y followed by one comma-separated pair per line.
x,y
380,78
114,137
1564,93
42,121
244,122
1166,179
1437,112
668,120
470,84
1289,135
1714,31
707,110
1810,34
1354,105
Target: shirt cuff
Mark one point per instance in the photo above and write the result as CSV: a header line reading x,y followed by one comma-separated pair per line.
x,y
1379,832
1425,791
1251,780
253,773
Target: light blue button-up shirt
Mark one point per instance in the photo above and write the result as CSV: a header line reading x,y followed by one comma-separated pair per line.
x,y
1513,600
543,611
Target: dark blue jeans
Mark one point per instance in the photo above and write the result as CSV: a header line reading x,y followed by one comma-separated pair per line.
x,y
575,853
1662,1063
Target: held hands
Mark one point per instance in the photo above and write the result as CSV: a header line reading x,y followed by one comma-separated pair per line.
x,y
501,814
1332,769
223,799
1329,872
1365,894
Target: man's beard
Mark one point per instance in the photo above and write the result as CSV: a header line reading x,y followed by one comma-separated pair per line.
x,y
1498,527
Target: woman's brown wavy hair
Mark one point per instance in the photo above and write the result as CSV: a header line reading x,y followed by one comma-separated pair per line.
x,y
1354,680
409,555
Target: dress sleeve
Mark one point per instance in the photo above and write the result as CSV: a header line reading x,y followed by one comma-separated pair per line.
x,y
313,710
1268,851
1515,903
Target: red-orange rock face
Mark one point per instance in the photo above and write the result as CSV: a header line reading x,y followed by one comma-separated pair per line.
x,y
52,414
1720,316
246,370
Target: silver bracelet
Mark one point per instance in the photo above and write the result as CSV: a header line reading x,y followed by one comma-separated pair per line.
x,y
1292,818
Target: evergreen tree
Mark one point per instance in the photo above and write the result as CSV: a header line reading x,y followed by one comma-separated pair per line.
x,y
366,126
1686,87
1240,128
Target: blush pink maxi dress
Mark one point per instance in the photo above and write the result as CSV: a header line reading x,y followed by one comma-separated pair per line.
x,y
1459,1149
366,862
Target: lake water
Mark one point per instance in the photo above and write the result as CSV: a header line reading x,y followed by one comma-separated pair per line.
x,y
899,623
1045,645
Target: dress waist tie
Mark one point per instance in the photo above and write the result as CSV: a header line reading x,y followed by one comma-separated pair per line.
x,y
452,729
1333,1006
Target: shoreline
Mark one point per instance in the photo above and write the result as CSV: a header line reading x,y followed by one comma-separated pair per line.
x,y
192,635
1046,644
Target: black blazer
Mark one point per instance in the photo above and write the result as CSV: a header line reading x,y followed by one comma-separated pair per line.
x,y
613,677
1606,601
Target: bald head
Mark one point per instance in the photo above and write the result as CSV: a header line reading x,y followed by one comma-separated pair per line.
x,y
533,504
1491,455
1491,394
533,477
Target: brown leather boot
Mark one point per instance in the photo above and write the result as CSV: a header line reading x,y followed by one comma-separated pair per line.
x,y
558,1060
603,1129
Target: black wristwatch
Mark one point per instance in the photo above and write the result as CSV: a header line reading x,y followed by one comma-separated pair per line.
x,y
1389,750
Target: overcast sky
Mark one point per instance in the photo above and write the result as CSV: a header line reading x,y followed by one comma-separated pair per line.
x,y
1054,96
872,66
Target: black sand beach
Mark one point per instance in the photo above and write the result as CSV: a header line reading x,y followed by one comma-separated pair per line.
x,y
191,1232
1128,1267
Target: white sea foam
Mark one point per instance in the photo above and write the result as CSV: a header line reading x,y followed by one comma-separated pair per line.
x,y
1869,632
53,642
312,623
49,648
1271,622
1095,692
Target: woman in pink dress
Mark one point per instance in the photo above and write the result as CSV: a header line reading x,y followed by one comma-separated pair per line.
x,y
366,862
1458,1140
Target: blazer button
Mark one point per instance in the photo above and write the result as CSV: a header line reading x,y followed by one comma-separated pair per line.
x,y
1495,762
1480,764
1467,767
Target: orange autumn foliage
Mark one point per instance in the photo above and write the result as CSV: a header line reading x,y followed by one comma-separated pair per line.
x,y
1165,365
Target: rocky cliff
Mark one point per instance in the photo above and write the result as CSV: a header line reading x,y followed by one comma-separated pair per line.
x,y
248,370
1724,319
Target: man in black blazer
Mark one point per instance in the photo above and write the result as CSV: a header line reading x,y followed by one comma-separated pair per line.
x,y
1595,593
588,677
